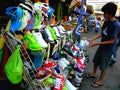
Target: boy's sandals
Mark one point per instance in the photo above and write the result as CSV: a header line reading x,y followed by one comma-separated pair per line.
x,y
96,84
90,76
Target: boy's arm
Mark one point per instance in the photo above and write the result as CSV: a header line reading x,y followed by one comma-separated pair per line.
x,y
95,37
111,41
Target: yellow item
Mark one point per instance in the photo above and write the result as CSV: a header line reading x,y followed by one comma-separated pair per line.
x,y
1,42
8,25
26,45
20,37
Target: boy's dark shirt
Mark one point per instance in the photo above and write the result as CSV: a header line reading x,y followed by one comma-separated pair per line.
x,y
110,30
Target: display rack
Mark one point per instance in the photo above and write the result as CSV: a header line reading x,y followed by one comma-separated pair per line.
x,y
29,71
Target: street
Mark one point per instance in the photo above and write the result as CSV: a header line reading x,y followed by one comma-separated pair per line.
x,y
112,78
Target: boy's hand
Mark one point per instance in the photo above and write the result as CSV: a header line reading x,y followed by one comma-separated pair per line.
x,y
92,44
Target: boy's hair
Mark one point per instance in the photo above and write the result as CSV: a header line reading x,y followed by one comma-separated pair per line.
x,y
110,8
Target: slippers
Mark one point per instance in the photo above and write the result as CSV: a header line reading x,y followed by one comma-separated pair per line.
x,y
90,76
95,84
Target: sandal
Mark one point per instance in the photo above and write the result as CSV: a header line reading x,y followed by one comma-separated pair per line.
x,y
90,76
95,84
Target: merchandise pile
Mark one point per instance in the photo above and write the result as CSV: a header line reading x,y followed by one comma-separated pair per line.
x,y
51,59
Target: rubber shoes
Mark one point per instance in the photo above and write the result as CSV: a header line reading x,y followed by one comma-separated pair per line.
x,y
80,60
49,82
38,19
49,34
50,64
38,58
65,87
32,42
59,81
84,43
65,61
50,12
42,74
79,67
78,72
70,86
77,79
67,46
63,29
57,32
26,16
40,39
52,32
30,23
74,50
37,7
45,36
62,64
60,30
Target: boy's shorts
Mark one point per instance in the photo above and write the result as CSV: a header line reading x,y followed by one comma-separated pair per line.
x,y
102,58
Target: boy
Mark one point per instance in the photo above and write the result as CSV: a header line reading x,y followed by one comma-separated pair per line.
x,y
108,42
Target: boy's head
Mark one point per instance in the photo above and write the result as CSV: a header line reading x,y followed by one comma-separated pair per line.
x,y
110,8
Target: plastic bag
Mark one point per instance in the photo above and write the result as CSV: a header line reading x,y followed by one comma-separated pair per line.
x,y
14,67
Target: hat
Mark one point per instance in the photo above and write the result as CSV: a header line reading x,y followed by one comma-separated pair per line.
x,y
15,15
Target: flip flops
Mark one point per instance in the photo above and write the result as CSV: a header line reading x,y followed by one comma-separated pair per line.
x,y
90,76
96,84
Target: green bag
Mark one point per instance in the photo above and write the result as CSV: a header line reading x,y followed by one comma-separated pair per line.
x,y
14,67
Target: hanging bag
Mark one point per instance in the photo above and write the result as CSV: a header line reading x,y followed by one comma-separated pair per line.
x,y
14,67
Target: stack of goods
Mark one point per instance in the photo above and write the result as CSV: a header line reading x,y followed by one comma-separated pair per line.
x,y
41,51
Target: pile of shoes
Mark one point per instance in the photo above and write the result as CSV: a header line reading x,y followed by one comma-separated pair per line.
x,y
51,49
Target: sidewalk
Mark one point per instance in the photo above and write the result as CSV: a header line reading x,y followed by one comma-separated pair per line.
x,y
112,78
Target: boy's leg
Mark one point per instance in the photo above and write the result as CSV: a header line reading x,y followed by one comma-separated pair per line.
x,y
102,75
100,80
95,70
